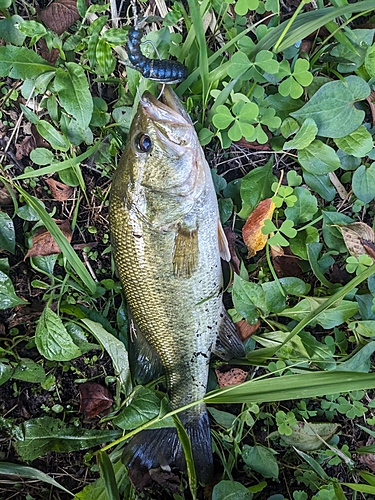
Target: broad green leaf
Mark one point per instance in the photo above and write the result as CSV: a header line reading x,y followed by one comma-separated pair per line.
x,y
348,162
7,234
359,143
363,183
51,135
304,208
261,460
370,61
116,349
287,387
29,371
334,316
74,93
331,233
42,156
222,418
144,406
294,286
21,63
321,184
333,109
38,436
360,361
318,158
275,300
53,340
305,435
5,373
9,30
299,244
248,298
8,298
22,471
4,4
231,490
304,137
256,186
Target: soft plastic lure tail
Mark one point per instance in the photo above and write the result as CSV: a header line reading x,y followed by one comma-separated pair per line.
x,y
160,70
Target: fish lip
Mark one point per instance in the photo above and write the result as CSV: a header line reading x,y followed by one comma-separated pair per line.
x,y
161,111
165,119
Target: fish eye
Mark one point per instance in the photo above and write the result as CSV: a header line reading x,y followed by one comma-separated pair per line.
x,y
143,143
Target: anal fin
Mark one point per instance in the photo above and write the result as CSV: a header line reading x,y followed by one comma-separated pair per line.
x,y
186,252
228,344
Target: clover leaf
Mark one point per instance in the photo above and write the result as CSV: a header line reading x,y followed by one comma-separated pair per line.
x,y
300,77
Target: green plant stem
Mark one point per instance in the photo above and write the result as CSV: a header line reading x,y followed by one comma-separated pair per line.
x,y
274,275
310,223
289,24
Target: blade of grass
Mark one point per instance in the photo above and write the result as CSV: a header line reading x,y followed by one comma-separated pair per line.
x,y
260,390
65,247
186,446
196,17
22,471
309,385
108,476
57,167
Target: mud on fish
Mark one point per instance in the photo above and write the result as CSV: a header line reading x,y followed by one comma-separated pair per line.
x,y
168,240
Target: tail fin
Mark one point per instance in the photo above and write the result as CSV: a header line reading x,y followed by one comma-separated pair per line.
x,y
161,448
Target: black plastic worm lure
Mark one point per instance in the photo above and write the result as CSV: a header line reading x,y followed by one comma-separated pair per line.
x,y
161,70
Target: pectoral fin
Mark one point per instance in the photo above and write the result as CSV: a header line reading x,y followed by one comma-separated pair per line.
x,y
228,344
223,243
186,252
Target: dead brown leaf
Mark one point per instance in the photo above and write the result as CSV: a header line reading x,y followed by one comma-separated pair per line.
x,y
354,234
245,330
252,234
285,262
369,247
43,243
59,191
368,458
95,399
49,55
59,15
233,376
25,147
231,238
39,140
371,101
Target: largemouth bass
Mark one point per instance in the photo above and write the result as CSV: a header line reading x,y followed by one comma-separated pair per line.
x,y
167,241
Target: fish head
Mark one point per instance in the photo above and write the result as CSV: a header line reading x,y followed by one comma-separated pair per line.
x,y
164,145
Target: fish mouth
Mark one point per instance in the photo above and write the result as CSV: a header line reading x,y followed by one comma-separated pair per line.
x,y
172,124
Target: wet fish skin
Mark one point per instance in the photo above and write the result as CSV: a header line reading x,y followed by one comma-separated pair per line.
x,y
166,236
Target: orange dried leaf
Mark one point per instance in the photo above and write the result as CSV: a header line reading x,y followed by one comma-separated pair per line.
x,y
60,191
252,234
43,243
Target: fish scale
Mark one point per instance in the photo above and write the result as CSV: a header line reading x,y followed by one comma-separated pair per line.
x,y
166,237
